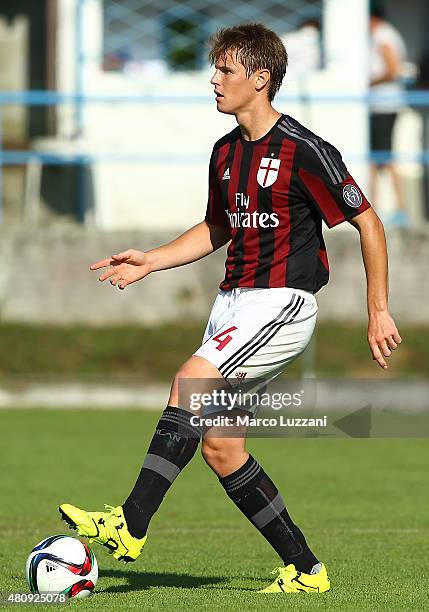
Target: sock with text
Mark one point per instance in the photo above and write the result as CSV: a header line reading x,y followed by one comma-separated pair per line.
x,y
172,447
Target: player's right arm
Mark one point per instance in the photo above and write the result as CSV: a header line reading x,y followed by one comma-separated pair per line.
x,y
132,265
197,242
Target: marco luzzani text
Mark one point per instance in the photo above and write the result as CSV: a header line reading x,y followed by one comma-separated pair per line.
x,y
222,400
247,420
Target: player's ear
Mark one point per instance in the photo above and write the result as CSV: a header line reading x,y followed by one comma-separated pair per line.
x,y
262,78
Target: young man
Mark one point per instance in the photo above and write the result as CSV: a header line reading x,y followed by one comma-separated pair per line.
x,y
387,54
271,182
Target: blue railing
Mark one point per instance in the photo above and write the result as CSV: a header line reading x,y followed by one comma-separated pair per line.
x,y
49,98
18,158
415,99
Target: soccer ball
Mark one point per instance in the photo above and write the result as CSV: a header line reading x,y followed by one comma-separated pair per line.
x,y
61,564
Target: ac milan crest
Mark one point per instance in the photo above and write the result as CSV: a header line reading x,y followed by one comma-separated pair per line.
x,y
352,196
268,171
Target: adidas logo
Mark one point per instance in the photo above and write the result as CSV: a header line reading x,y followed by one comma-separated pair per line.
x,y
226,175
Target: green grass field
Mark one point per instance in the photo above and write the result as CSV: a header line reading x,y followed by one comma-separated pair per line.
x,y
363,505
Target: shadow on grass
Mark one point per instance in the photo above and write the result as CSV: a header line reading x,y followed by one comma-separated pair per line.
x,y
141,581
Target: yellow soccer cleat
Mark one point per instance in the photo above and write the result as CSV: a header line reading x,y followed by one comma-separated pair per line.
x,y
107,528
290,580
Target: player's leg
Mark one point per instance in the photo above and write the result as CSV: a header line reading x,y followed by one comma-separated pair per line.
x,y
268,327
173,445
123,529
175,440
258,498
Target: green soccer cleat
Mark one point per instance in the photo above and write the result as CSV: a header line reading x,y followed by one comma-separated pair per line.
x,y
290,580
107,528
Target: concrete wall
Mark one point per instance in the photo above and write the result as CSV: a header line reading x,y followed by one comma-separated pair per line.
x,y
44,278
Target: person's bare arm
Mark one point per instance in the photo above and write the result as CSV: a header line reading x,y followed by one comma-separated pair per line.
x,y
132,265
393,65
383,336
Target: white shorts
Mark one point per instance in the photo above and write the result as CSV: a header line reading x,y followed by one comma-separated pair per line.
x,y
256,333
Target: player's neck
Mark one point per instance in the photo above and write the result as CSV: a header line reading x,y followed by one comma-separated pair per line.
x,y
256,122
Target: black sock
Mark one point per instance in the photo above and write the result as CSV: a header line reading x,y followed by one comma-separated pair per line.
x,y
173,446
258,498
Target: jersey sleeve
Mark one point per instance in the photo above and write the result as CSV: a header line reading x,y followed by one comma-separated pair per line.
x,y
215,212
328,185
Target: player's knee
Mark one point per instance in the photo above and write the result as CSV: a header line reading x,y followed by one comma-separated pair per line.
x,y
179,383
196,367
185,371
215,454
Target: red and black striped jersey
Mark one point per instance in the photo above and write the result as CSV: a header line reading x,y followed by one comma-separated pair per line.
x,y
272,194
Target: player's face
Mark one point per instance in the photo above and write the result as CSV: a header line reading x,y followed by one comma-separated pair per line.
x,y
233,89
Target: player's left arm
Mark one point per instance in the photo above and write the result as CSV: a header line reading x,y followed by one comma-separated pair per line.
x,y
383,336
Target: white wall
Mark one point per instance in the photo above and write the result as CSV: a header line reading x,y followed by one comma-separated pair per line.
x,y
65,65
169,192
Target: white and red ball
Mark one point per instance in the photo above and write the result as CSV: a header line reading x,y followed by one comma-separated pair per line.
x,y
60,564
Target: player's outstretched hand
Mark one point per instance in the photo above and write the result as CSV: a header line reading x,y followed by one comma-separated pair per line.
x,y
383,337
124,268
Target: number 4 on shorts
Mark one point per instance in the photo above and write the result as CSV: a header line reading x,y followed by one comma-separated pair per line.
x,y
222,339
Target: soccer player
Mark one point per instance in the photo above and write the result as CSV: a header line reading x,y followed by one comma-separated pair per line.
x,y
271,184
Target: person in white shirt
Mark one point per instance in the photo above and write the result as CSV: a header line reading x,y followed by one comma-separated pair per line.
x,y
387,55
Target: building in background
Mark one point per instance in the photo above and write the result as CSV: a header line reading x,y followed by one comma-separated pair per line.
x,y
143,123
